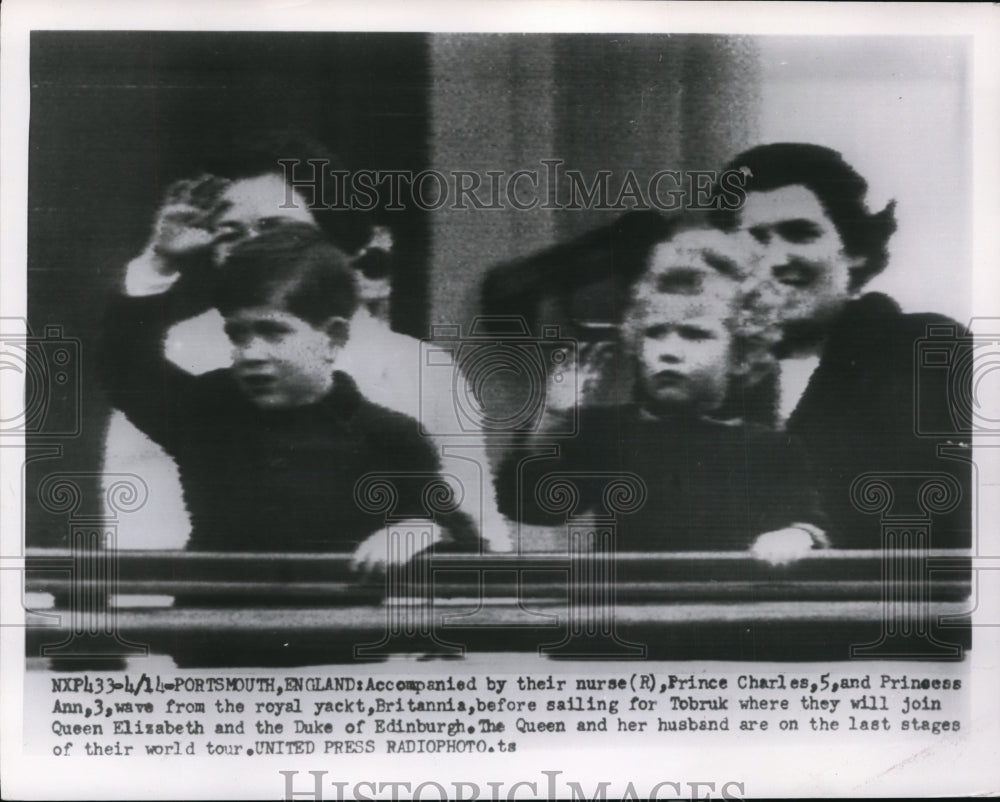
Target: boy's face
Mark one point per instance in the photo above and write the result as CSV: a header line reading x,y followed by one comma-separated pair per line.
x,y
279,359
683,353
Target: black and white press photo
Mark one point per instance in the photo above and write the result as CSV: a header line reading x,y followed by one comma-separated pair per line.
x,y
511,401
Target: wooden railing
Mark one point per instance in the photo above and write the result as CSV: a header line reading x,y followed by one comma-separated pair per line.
x,y
264,608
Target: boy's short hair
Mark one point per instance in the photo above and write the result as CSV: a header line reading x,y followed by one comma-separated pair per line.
x,y
292,267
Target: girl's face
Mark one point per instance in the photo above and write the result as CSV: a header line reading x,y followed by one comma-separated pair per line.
x,y
684,353
682,306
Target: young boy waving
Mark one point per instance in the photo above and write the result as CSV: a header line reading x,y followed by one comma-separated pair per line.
x,y
270,450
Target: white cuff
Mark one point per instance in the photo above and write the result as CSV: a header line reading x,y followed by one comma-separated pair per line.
x,y
142,276
819,538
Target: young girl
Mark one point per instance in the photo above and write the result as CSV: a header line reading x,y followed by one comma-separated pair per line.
x,y
714,482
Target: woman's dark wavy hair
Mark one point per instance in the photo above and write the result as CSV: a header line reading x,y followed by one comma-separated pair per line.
x,y
837,185
292,267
